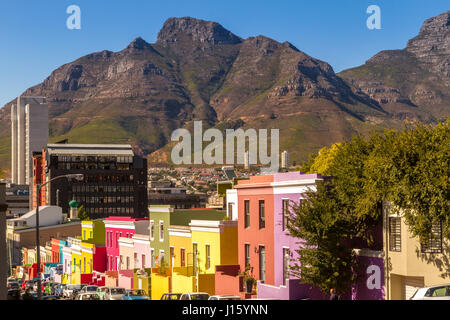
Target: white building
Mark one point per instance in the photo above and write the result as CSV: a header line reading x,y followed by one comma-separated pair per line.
x,y
284,159
232,204
29,133
48,216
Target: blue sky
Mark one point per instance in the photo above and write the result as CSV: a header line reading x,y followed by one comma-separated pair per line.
x,y
34,39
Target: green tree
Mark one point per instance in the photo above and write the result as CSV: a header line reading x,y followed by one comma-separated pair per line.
x,y
82,214
409,169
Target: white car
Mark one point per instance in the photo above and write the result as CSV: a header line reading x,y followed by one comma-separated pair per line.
x,y
195,296
70,289
224,297
438,292
114,293
89,289
87,296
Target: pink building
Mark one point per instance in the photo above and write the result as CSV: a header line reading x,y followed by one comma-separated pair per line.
x,y
117,227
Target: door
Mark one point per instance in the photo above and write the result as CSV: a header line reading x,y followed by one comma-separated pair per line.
x,y
410,285
262,263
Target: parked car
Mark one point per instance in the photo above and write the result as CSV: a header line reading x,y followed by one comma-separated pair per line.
x,y
438,292
171,296
59,288
195,296
14,294
27,284
111,293
70,290
89,289
87,296
13,285
224,297
135,294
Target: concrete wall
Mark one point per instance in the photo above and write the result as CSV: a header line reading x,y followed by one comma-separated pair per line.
x,y
160,284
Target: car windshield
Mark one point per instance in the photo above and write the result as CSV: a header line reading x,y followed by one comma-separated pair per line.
x,y
73,287
133,293
91,297
90,288
118,291
199,296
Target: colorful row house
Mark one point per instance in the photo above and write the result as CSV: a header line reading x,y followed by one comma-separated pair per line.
x,y
116,228
266,249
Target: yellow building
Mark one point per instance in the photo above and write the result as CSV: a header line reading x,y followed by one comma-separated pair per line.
x,y
77,259
412,264
181,257
87,256
93,231
214,243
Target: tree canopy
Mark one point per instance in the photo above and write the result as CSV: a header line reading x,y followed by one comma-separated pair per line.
x,y
408,168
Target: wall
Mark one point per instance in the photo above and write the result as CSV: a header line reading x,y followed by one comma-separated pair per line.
x,y
159,284
370,285
411,262
180,240
232,198
227,279
145,281
183,281
292,291
255,189
229,244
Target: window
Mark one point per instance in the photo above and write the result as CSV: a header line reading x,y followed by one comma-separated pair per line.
x,y
161,257
84,234
182,257
152,257
152,230
172,255
230,210
143,261
247,255
91,235
136,259
194,253
395,241
247,213
161,231
117,239
434,242
128,263
208,257
285,265
262,263
262,215
285,209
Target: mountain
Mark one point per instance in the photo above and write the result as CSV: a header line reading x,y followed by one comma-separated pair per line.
x,y
199,70
415,81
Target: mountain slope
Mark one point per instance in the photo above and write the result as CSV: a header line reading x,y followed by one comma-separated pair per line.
x,y
199,70
413,82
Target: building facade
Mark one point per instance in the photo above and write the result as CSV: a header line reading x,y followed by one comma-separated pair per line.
x,y
413,264
29,133
114,184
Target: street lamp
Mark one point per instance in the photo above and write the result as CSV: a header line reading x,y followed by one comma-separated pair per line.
x,y
77,177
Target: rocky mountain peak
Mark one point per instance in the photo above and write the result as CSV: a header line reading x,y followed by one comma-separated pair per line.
x,y
432,45
196,30
139,44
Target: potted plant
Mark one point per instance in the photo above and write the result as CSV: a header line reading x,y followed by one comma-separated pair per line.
x,y
248,279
